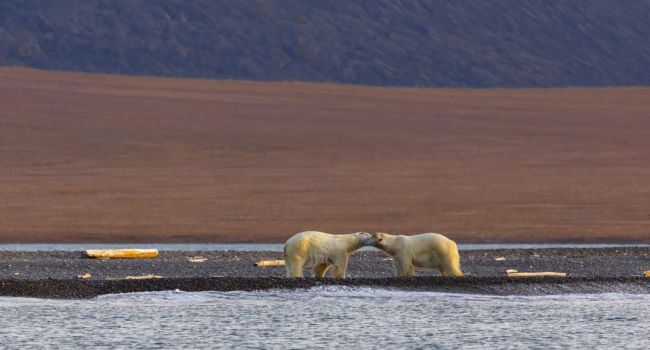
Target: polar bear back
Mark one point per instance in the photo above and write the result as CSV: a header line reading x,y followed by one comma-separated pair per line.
x,y
314,246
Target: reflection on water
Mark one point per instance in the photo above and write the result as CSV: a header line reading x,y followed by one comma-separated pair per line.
x,y
328,317
276,246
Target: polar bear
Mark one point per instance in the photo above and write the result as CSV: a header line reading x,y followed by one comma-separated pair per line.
x,y
428,250
321,250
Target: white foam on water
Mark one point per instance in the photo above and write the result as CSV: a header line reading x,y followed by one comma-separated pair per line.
x,y
325,293
343,292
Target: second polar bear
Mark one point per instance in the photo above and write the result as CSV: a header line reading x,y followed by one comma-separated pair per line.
x,y
322,250
428,250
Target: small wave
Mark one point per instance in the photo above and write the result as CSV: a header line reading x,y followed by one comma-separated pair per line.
x,y
342,292
324,292
584,296
161,295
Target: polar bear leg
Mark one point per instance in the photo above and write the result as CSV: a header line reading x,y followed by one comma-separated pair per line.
x,y
294,267
338,272
410,272
399,270
340,267
321,269
451,269
403,266
452,265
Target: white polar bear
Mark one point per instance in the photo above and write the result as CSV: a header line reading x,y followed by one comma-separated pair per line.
x,y
428,250
322,250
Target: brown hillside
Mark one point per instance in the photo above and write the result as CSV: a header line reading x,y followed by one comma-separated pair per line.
x,y
111,158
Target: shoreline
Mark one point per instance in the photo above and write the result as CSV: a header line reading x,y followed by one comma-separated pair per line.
x,y
54,274
500,286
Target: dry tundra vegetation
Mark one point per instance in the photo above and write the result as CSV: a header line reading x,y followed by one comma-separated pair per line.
x,y
87,157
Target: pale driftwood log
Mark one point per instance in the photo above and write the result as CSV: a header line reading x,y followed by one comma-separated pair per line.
x,y
196,259
122,253
535,274
270,263
143,277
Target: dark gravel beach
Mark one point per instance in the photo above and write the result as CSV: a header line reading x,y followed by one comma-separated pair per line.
x,y
54,274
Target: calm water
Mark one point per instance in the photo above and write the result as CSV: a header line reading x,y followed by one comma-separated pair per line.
x,y
274,247
330,317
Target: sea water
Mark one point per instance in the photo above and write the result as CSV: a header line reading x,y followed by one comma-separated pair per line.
x,y
328,317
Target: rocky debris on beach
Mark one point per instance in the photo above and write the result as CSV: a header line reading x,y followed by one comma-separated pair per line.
x,y
72,275
584,262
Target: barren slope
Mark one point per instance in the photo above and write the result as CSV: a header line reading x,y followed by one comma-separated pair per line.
x,y
110,158
434,43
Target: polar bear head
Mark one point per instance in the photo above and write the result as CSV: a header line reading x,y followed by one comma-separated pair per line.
x,y
365,238
379,239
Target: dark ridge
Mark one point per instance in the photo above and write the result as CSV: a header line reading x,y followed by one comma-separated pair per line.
x,y
78,289
509,43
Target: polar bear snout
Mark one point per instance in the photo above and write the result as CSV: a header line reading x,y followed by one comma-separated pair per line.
x,y
378,240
